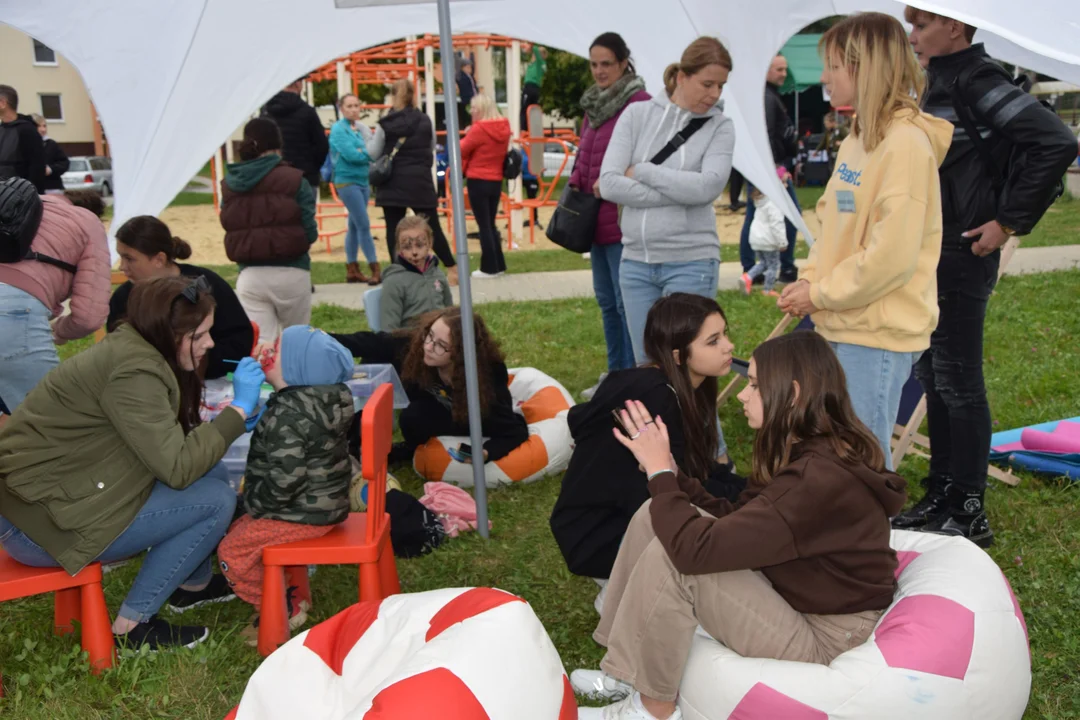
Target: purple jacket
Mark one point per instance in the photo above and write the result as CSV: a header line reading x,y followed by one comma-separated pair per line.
x,y
590,156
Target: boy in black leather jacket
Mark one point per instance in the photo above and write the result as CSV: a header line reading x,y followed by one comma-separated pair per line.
x,y
993,186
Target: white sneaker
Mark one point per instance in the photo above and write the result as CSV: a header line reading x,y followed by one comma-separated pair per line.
x,y
628,709
588,394
598,603
598,685
481,275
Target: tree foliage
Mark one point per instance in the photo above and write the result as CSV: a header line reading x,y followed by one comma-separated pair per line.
x,y
567,78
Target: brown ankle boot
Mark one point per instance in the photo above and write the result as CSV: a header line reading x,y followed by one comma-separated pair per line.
x,y
353,273
376,274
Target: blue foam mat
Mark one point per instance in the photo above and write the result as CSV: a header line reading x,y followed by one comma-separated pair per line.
x,y
1057,464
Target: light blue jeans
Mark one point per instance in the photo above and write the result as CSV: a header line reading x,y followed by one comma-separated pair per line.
x,y
355,198
181,528
27,352
644,283
875,380
605,261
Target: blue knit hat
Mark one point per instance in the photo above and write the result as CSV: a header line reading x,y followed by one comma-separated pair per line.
x,y
311,357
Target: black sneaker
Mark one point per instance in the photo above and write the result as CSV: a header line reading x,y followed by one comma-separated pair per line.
x,y
965,517
216,591
159,635
789,276
933,503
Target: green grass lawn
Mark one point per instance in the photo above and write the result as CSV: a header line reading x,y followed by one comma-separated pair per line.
x,y
1031,372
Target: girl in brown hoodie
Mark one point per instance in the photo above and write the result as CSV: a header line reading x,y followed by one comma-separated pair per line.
x,y
798,569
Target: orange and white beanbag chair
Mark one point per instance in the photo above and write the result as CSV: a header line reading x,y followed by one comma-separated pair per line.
x,y
544,403
453,654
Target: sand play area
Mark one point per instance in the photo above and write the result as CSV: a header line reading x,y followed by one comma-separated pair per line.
x,y
199,225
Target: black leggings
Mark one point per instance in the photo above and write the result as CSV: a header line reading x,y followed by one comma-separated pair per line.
x,y
484,196
394,215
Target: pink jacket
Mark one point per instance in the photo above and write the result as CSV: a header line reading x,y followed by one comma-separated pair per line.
x,y
454,507
75,236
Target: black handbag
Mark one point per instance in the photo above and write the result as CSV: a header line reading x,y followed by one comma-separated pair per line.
x,y
512,165
380,171
573,226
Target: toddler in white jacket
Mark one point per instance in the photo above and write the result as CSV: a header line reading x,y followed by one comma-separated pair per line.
x,y
768,238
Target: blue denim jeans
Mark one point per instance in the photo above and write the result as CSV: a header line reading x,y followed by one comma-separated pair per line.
x,y
605,260
875,380
181,528
27,352
746,253
358,236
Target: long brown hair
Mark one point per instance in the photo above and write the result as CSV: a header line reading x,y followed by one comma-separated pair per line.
x,y
821,408
151,236
876,51
696,57
403,93
673,323
488,354
160,311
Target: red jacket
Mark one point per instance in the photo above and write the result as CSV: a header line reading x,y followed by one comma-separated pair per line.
x,y
483,149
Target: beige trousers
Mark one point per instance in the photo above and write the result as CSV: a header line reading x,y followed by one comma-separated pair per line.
x,y
275,298
651,611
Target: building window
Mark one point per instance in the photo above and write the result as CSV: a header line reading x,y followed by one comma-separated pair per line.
x,y
51,107
43,54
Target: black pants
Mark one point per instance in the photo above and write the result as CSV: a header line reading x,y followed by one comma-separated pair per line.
x,y
530,95
484,197
394,215
951,371
532,189
735,185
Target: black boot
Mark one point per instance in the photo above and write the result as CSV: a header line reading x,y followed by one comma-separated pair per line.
x,y
966,517
932,504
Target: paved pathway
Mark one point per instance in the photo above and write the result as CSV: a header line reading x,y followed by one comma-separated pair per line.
x,y
525,287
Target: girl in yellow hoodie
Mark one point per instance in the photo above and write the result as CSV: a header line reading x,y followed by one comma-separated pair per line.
x,y
870,282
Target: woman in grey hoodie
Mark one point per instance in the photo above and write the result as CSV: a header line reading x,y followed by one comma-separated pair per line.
x,y
667,219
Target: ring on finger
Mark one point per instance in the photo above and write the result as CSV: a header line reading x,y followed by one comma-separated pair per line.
x,y
635,436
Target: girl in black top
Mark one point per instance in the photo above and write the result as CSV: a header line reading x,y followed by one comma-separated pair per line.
x,y
603,486
148,250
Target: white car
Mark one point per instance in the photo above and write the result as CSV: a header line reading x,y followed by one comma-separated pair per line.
x,y
89,173
553,157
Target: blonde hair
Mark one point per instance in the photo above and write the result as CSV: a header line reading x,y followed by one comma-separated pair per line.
x,y
38,119
414,222
485,107
404,94
888,79
696,57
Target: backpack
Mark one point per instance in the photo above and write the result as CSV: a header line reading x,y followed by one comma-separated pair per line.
x,y
965,114
9,151
20,217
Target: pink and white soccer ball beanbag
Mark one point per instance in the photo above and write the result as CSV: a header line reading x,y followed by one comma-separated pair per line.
x,y
455,654
952,645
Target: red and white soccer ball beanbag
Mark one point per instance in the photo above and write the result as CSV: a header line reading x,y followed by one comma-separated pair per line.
x,y
454,654
952,645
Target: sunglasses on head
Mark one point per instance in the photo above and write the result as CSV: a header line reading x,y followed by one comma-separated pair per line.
x,y
196,286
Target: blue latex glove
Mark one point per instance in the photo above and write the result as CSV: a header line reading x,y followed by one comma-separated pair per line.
x,y
247,381
252,421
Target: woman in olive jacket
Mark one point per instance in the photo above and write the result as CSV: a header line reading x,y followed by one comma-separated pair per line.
x,y
106,458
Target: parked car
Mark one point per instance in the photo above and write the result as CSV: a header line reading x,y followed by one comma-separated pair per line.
x,y
89,173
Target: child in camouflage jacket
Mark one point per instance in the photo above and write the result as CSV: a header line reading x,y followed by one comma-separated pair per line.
x,y
296,485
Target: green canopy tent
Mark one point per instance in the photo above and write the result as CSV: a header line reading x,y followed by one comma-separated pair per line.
x,y
804,66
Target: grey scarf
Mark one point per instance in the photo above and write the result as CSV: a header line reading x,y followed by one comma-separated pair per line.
x,y
602,104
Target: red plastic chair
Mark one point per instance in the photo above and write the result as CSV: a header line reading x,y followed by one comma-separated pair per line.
x,y
363,539
76,598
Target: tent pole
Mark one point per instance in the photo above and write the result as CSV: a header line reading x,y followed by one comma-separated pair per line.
x,y
457,199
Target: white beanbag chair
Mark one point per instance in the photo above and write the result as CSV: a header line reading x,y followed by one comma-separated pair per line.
x,y
544,403
454,654
952,645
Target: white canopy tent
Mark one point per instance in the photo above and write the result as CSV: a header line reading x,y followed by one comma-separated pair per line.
x,y
172,78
